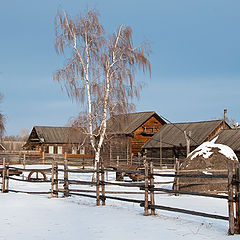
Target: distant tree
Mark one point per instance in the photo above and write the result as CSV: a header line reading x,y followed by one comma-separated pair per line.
x,y
21,137
2,120
99,71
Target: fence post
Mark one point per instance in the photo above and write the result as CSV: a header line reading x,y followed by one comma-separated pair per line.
x,y
3,175
152,189
83,163
237,208
53,175
230,200
103,184
56,180
146,186
66,185
97,185
177,178
7,177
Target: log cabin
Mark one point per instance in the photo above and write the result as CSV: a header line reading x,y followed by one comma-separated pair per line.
x,y
170,142
127,133
58,140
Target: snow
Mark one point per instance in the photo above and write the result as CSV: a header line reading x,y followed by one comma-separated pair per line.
x,y
38,217
205,150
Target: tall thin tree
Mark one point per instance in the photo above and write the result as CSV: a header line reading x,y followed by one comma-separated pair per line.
x,y
99,71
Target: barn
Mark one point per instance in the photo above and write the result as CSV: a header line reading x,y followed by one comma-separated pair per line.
x,y
170,141
127,133
58,140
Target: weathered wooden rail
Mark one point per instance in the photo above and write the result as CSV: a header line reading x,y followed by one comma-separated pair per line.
x,y
147,188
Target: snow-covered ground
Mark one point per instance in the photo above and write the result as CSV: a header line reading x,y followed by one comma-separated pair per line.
x,y
28,217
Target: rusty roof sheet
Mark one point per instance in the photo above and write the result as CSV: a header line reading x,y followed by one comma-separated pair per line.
x,y
173,134
230,137
128,123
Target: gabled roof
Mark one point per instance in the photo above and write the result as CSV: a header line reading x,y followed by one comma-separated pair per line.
x,y
230,137
57,134
173,134
128,123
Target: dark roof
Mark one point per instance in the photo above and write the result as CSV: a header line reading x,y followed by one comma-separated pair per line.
x,y
230,137
58,134
128,123
173,135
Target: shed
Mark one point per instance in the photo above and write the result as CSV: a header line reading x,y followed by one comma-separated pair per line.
x,y
58,140
170,142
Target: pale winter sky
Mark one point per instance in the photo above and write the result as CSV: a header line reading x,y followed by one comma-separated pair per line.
x,y
195,57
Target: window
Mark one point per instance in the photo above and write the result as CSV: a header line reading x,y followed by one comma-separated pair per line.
x,y
74,150
59,150
51,149
82,150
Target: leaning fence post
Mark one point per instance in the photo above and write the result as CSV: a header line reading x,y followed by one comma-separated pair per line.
x,y
152,189
230,200
146,186
97,185
103,183
3,175
66,185
237,208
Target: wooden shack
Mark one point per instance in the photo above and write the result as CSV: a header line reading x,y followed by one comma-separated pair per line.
x,y
58,140
127,133
170,141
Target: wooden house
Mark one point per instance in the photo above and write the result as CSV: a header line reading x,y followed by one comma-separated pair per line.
x,y
170,142
58,140
127,133
231,138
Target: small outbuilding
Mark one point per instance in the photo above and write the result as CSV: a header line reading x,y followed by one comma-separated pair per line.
x,y
58,140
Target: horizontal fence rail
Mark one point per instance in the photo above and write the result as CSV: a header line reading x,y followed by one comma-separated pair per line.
x,y
59,177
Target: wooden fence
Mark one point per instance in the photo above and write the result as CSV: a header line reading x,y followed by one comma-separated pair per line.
x,y
147,188
36,157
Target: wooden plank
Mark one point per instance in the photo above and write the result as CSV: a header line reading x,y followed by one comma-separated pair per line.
x,y
237,192
190,212
151,189
146,188
231,229
191,193
66,185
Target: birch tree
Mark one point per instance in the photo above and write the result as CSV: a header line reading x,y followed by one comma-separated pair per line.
x,y
98,71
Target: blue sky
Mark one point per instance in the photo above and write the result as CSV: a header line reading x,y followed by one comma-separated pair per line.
x,y
195,58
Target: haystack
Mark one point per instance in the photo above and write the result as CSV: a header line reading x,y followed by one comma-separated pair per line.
x,y
209,158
